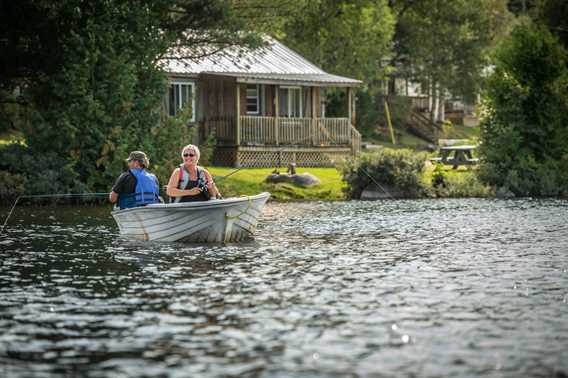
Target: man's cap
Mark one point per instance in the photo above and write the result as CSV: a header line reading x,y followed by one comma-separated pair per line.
x,y
140,157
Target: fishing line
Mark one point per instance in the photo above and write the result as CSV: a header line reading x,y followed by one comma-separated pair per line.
x,y
68,195
362,169
376,183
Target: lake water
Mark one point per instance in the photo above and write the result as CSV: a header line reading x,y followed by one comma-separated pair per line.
x,y
430,288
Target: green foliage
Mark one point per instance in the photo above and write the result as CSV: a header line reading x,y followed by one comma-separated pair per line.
x,y
207,148
93,88
554,14
400,170
12,185
525,130
439,176
369,117
344,37
447,127
457,183
444,44
167,140
45,173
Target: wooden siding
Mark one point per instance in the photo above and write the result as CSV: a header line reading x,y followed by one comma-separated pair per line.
x,y
269,100
216,97
242,138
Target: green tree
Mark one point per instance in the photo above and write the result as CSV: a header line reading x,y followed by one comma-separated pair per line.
x,y
84,78
349,38
525,132
444,44
554,14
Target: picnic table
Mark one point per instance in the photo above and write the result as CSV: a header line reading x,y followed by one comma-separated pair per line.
x,y
456,156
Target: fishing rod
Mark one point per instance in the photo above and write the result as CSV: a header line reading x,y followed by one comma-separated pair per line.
x,y
65,195
376,183
229,174
366,173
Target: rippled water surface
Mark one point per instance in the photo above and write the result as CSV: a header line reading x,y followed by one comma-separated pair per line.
x,y
440,288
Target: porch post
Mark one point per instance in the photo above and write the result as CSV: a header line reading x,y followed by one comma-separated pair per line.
x,y
349,103
353,108
276,118
238,131
314,117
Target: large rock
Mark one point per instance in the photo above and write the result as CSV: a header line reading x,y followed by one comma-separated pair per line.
x,y
301,179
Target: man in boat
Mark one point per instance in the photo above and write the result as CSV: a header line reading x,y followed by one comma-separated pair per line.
x,y
135,187
190,182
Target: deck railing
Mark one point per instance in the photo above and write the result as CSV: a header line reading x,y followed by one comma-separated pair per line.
x,y
274,131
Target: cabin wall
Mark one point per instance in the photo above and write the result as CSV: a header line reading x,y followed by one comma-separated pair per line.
x,y
216,97
317,95
243,102
269,100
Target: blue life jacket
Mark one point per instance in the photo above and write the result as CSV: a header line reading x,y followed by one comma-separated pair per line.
x,y
146,191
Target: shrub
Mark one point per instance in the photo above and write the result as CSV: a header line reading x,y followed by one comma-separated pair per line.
x,y
399,170
463,185
12,185
38,173
439,176
525,131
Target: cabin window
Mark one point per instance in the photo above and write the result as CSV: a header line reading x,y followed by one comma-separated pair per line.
x,y
253,99
290,102
181,96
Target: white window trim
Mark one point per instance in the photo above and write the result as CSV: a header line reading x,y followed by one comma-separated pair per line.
x,y
257,99
192,85
289,104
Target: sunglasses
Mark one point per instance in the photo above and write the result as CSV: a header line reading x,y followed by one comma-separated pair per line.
x,y
188,155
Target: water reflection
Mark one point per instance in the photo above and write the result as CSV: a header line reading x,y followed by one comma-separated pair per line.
x,y
396,288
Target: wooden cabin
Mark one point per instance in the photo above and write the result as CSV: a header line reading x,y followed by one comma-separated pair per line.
x,y
265,106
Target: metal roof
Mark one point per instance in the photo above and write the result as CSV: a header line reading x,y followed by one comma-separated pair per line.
x,y
273,63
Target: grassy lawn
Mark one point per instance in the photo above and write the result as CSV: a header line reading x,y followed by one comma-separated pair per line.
x,y
461,182
249,181
461,132
406,140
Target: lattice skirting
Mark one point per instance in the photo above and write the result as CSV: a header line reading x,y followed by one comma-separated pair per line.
x,y
271,157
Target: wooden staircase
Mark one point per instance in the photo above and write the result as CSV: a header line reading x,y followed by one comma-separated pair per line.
x,y
420,125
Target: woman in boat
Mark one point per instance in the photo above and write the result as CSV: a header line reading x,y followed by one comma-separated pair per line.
x,y
190,182
135,187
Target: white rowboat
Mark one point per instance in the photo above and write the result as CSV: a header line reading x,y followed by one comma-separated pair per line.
x,y
215,221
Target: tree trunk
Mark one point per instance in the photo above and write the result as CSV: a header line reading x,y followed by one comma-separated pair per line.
x,y
430,96
442,114
436,102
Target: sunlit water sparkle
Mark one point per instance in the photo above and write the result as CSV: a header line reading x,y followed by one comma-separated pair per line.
x,y
432,288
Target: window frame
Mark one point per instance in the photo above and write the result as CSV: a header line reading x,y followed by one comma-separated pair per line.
x,y
176,107
289,101
257,102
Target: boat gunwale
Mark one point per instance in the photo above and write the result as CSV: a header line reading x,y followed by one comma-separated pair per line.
x,y
216,203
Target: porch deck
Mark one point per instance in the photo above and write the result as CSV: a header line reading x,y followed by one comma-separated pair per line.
x,y
263,141
276,131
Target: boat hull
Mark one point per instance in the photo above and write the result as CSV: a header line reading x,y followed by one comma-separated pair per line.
x,y
215,221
